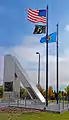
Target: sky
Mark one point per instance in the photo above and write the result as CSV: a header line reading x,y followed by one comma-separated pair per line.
x,y
16,38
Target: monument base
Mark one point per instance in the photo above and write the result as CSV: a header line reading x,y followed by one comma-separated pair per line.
x,y
11,95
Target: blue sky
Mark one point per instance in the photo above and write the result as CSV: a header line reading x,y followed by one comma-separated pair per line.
x,y
16,31
14,24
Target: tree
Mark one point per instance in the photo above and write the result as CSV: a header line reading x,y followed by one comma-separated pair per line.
x,y
67,90
41,90
60,94
50,92
1,91
24,93
44,93
55,94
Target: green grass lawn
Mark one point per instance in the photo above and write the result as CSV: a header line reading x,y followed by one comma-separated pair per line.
x,y
35,116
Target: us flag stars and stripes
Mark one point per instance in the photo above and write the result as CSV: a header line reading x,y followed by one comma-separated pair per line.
x,y
36,15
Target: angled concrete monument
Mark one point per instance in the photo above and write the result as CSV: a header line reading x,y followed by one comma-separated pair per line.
x,y
13,75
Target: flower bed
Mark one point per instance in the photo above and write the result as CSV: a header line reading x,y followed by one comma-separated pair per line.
x,y
17,110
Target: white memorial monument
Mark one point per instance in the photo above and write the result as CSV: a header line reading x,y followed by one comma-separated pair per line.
x,y
13,75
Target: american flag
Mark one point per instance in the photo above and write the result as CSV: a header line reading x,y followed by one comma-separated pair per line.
x,y
36,15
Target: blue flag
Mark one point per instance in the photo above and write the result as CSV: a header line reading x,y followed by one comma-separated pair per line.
x,y
51,38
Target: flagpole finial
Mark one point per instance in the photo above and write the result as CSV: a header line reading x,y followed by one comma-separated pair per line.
x,y
57,24
47,7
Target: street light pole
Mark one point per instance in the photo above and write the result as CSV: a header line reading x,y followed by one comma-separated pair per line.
x,y
38,70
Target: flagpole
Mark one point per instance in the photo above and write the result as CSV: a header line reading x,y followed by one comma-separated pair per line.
x,y
57,63
47,60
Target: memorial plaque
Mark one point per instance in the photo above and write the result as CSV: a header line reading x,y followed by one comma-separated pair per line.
x,y
8,86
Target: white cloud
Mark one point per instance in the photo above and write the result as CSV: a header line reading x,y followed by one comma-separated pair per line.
x,y
29,41
29,48
67,28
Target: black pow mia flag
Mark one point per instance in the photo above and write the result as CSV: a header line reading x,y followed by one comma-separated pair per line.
x,y
39,29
